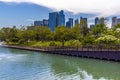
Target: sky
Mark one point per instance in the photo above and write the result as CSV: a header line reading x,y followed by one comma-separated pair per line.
x,y
24,12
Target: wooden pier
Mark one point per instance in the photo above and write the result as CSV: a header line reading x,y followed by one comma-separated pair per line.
x,y
111,53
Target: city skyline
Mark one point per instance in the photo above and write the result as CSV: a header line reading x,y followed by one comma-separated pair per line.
x,y
19,12
24,14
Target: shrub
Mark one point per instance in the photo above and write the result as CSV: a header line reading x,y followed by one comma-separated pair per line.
x,y
108,39
72,43
88,40
52,43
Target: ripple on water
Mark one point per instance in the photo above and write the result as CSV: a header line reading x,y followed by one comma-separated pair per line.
x,y
10,57
24,66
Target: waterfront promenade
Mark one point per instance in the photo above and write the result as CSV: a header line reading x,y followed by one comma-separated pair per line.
x,y
111,53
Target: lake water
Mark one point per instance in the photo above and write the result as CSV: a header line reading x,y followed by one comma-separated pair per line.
x,y
27,65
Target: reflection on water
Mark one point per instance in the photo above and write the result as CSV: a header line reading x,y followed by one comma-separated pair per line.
x,y
27,65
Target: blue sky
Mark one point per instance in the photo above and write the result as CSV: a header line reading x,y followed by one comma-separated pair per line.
x,y
23,12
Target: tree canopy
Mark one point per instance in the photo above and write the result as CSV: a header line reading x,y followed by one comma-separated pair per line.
x,y
62,35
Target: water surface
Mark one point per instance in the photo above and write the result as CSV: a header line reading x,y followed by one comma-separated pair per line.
x,y
28,65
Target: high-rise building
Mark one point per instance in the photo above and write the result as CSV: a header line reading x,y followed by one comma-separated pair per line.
x,y
118,21
45,22
69,23
76,21
53,20
99,21
102,20
92,26
38,23
81,18
61,18
115,21
96,20
83,22
56,19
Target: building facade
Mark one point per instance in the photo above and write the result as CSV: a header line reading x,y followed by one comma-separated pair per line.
x,y
56,19
96,21
61,18
45,22
69,23
102,20
76,22
92,26
53,20
115,21
38,23
83,22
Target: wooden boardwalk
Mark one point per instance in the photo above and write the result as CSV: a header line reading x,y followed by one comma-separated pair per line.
x,y
87,52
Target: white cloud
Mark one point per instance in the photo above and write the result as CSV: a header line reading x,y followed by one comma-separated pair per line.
x,y
99,7
30,20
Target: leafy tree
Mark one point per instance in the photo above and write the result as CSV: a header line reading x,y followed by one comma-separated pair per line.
x,y
88,40
108,39
43,34
76,33
62,34
85,31
116,33
116,26
84,28
99,30
109,32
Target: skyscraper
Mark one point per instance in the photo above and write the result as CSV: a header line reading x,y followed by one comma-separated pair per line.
x,y
61,18
69,23
96,20
102,20
83,22
38,23
76,21
56,19
118,21
92,26
45,22
114,21
53,20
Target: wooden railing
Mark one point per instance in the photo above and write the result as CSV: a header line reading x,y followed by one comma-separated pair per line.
x,y
86,48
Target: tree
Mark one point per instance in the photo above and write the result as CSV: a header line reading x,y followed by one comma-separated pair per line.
x,y
62,34
76,33
99,30
85,31
108,39
116,33
43,34
88,40
116,26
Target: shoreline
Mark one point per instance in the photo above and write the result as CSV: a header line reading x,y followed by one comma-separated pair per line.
x,y
109,55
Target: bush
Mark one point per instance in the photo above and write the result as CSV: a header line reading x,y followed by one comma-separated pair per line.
x,y
72,43
108,39
52,43
21,41
88,40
